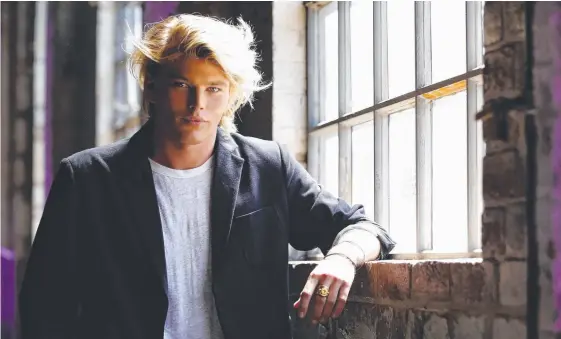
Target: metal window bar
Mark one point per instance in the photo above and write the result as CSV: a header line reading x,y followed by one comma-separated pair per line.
x,y
423,125
381,121
345,100
474,58
397,103
313,89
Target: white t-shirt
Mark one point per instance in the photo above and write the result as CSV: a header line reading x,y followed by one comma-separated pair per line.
x,y
184,203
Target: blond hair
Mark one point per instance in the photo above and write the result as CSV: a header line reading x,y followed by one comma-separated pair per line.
x,y
231,47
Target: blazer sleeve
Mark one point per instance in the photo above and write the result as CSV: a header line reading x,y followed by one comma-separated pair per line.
x,y
48,302
317,217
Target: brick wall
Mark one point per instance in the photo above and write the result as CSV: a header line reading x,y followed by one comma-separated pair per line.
x,y
508,292
289,71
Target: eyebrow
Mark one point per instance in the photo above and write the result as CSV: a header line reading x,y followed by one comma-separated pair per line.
x,y
211,83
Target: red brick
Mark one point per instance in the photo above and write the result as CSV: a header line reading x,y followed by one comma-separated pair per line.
x,y
472,283
503,75
371,321
389,322
431,281
515,231
493,22
493,144
515,25
468,327
391,280
512,286
363,284
493,233
509,329
503,176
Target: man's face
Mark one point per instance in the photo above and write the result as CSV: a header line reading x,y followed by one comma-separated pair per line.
x,y
189,97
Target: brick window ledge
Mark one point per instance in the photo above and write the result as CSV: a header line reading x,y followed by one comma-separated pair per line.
x,y
469,285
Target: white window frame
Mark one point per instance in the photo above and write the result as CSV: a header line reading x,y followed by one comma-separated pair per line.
x,y
383,106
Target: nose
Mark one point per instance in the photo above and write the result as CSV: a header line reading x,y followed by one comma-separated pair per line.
x,y
195,99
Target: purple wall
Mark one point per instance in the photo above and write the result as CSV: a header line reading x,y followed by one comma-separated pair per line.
x,y
555,23
158,10
8,287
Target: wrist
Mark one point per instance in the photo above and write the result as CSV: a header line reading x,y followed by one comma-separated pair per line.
x,y
350,251
340,257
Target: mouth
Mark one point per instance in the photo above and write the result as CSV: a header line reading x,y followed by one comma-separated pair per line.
x,y
191,120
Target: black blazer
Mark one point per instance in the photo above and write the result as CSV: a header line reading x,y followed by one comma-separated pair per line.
x,y
97,265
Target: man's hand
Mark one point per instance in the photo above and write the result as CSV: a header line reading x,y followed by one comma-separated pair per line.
x,y
336,273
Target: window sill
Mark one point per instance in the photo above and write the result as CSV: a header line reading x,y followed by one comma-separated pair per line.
x,y
467,284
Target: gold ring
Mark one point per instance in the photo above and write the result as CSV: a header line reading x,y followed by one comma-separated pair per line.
x,y
322,291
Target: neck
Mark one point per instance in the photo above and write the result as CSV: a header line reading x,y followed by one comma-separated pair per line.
x,y
178,155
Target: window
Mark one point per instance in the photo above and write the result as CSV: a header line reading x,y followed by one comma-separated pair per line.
x,y
393,92
127,101
118,94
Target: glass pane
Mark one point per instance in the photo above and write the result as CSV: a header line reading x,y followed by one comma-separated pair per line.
x,y
329,164
329,56
401,47
448,35
363,166
362,54
403,183
449,146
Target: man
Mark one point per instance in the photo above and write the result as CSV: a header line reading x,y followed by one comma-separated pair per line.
x,y
182,231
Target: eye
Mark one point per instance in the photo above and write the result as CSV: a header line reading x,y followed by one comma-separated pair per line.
x,y
179,84
214,89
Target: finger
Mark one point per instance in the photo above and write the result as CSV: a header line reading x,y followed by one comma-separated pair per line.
x,y
297,303
341,300
320,301
331,300
306,295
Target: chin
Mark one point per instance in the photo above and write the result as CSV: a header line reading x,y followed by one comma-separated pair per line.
x,y
191,135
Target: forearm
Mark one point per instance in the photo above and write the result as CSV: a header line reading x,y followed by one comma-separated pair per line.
x,y
359,243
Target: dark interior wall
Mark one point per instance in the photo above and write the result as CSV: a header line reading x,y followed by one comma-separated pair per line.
x,y
17,124
256,122
74,72
17,152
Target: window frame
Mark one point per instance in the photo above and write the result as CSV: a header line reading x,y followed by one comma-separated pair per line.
x,y
425,92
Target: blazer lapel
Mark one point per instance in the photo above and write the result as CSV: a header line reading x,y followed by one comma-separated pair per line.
x,y
225,186
140,195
